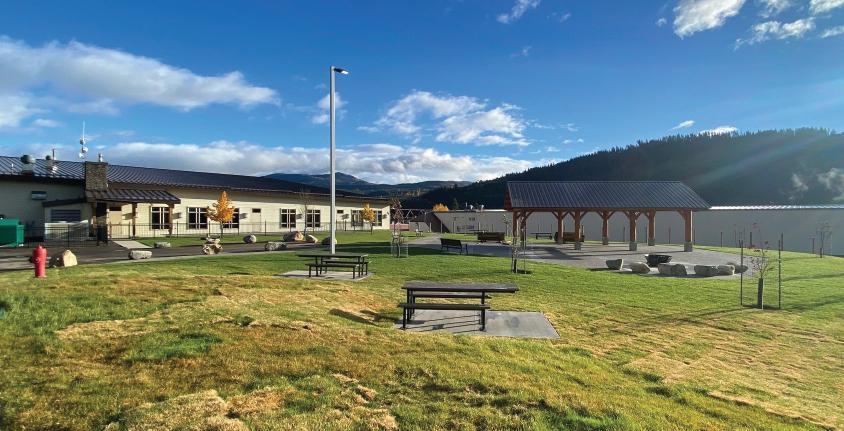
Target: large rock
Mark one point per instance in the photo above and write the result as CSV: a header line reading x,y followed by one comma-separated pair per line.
x,y
725,269
139,254
211,249
679,270
275,246
615,263
63,259
665,268
640,268
295,236
311,239
738,268
327,241
162,244
250,239
210,240
706,270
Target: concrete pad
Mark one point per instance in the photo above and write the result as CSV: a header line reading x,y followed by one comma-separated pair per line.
x,y
334,275
130,244
516,324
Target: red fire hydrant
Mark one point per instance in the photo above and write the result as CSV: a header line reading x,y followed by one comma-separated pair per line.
x,y
39,259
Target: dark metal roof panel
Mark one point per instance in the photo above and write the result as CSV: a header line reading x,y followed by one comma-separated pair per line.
x,y
611,195
132,196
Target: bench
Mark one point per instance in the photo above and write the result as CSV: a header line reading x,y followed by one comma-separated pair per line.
x,y
548,235
322,267
446,244
490,236
364,263
408,307
569,236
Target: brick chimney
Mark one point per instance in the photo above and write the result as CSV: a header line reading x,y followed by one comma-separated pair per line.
x,y
95,176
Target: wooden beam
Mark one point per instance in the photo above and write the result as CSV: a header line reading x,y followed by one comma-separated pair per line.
x,y
651,227
578,227
687,217
560,226
134,219
605,226
631,217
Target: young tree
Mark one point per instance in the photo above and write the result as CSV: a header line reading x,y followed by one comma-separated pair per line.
x,y
439,208
221,211
368,214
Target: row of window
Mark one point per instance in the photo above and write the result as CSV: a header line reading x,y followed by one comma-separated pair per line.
x,y
198,218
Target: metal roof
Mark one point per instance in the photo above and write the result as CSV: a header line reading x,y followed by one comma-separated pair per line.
x,y
132,196
75,171
608,195
778,207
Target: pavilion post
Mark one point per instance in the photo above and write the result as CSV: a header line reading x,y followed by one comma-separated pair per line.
x,y
560,226
134,219
632,216
605,227
515,224
578,216
687,217
651,228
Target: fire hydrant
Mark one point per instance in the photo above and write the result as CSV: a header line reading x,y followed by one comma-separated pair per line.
x,y
39,259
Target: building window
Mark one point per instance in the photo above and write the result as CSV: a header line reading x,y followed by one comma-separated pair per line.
x,y
65,216
379,217
287,218
160,218
197,218
235,222
357,218
314,218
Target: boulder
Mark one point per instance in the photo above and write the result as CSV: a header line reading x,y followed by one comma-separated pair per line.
x,y
139,254
210,240
327,241
739,269
706,270
311,239
211,249
725,269
678,270
275,246
665,268
615,263
640,268
295,236
63,259
250,239
162,244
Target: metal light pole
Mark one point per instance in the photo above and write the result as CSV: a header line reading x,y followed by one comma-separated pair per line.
x,y
333,215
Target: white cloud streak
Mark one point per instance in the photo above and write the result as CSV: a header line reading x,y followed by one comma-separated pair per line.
x,y
774,7
519,9
720,130
824,6
692,16
832,32
684,125
779,31
322,116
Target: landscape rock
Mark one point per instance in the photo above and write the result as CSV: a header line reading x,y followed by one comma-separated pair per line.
x,y
679,270
615,263
295,236
726,269
275,246
139,254
738,268
665,268
327,241
250,239
640,268
212,248
706,270
162,244
63,260
311,239
210,240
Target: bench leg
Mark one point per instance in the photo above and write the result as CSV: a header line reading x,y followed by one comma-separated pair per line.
x,y
404,319
483,320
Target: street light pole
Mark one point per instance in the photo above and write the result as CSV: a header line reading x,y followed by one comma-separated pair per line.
x,y
333,215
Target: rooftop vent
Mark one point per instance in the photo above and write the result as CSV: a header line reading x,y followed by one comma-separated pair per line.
x,y
27,164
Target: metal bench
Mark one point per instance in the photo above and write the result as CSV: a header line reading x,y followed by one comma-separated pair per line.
x,y
447,244
490,236
548,235
409,307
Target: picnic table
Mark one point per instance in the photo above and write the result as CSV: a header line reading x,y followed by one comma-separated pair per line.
x,y
423,289
357,262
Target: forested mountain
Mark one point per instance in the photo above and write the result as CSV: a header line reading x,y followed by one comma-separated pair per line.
x,y
353,184
802,166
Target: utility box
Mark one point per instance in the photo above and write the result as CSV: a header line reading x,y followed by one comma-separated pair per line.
x,y
11,233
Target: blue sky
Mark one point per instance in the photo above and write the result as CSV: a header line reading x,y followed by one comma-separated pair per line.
x,y
438,89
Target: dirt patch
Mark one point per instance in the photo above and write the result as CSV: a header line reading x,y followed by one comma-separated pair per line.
x,y
262,400
201,411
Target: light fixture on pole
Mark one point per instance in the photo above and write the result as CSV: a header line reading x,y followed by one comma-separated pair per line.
x,y
333,216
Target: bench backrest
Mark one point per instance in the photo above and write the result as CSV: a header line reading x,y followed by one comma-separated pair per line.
x,y
490,236
451,242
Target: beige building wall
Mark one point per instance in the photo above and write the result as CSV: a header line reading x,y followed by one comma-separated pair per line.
x,y
16,200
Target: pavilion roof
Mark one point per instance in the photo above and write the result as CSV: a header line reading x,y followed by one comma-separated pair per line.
x,y
602,195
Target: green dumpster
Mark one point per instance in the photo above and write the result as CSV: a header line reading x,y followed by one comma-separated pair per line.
x,y
11,232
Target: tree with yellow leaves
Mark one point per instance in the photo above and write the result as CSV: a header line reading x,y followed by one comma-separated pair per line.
x,y
368,214
221,211
439,208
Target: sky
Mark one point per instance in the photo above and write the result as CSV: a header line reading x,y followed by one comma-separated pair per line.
x,y
440,89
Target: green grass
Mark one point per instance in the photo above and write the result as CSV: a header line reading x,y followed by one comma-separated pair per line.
x,y
91,345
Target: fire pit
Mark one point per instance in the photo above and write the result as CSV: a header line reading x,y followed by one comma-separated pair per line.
x,y
655,259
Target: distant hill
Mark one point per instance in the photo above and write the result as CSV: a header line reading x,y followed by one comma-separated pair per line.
x,y
802,166
353,184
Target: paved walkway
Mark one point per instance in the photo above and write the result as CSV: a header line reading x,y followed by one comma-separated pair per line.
x,y
130,244
517,324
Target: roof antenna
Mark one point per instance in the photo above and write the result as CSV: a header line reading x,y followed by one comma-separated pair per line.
x,y
82,141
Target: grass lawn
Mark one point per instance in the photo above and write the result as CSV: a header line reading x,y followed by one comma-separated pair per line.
x,y
352,237
220,343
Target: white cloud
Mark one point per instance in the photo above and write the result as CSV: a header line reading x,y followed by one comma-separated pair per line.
x,y
824,6
14,108
105,77
375,162
779,31
661,22
519,9
571,127
323,106
720,130
684,125
833,180
458,119
560,17
832,32
573,141
524,52
774,7
46,122
692,16
552,150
